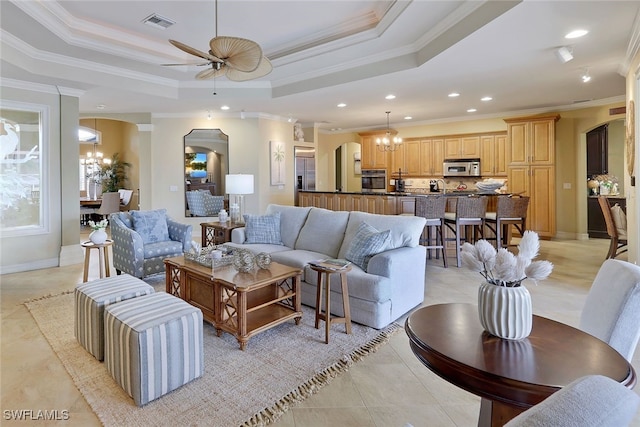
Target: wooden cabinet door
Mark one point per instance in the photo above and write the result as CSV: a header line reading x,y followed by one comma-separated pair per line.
x,y
517,135
398,160
405,205
452,148
412,157
519,180
500,159
437,147
542,143
542,206
426,157
366,157
487,155
470,147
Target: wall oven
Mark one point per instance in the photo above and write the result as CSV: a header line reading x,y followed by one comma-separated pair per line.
x,y
374,180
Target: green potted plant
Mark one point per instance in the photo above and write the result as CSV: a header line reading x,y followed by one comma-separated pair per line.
x,y
114,175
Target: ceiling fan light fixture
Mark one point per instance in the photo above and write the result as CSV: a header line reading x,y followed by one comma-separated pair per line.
x,y
564,54
586,77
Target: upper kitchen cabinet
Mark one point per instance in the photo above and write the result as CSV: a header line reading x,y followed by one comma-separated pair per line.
x,y
372,156
407,158
464,147
531,141
431,157
493,160
597,151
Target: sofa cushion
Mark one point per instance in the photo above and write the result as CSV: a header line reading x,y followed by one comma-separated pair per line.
x,y
151,225
367,242
405,230
323,232
263,229
292,218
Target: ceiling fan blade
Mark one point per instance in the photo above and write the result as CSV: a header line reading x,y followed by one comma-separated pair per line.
x,y
192,51
210,73
240,54
263,69
199,64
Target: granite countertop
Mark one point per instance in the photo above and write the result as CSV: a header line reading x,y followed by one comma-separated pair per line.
x,y
409,194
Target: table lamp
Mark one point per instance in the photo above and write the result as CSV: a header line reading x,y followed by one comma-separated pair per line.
x,y
238,185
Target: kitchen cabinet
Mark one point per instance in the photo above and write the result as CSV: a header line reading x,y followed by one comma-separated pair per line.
x,y
493,160
412,157
531,169
431,157
371,156
597,151
464,147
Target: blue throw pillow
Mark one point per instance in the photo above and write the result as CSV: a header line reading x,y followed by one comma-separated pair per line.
x,y
151,225
366,243
262,229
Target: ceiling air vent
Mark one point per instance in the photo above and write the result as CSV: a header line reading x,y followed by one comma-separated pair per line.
x,y
158,21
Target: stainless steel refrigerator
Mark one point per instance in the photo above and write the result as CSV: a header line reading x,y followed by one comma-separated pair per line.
x,y
305,172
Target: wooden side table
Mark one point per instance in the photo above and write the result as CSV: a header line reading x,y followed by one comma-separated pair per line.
x,y
326,316
103,257
217,233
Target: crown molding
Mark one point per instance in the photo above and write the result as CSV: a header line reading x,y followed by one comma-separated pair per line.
x,y
39,87
633,48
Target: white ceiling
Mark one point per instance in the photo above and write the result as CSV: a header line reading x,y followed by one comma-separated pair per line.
x,y
326,52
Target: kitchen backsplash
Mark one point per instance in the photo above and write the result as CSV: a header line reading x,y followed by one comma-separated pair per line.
x,y
421,185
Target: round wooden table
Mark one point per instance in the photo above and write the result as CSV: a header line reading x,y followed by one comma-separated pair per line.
x,y
509,376
103,257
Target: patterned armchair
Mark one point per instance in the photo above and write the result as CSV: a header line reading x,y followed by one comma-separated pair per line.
x,y
143,239
203,203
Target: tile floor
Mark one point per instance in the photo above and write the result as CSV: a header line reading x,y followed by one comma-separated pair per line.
x,y
388,388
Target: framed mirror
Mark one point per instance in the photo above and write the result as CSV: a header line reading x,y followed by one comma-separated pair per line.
x,y
206,163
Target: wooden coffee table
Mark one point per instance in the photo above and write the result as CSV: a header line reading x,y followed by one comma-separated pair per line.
x,y
243,304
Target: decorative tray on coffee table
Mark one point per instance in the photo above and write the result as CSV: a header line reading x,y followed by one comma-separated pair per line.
x,y
204,258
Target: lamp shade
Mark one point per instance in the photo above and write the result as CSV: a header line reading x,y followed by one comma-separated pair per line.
x,y
239,184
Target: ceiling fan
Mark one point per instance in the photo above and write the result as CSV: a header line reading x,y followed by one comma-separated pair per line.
x,y
237,58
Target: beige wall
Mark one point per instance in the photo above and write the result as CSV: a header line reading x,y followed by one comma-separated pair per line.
x,y
633,193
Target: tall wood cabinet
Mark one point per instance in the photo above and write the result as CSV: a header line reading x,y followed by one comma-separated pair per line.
x,y
531,169
431,157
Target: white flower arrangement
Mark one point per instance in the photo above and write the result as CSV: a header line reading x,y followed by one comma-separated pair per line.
x,y
99,225
502,268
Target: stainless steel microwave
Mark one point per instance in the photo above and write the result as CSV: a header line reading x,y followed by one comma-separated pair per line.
x,y
461,167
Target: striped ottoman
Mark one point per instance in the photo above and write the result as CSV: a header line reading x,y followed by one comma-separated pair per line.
x,y
91,298
153,345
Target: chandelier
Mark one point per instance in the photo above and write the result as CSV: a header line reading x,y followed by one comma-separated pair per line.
x,y
388,143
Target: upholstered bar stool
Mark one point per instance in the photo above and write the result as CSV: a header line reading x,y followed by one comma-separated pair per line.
x,y
433,208
468,218
510,210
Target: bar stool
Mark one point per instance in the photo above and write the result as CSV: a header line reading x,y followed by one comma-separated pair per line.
x,y
326,316
433,208
470,213
510,210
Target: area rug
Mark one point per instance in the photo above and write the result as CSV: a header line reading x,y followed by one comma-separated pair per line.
x,y
279,367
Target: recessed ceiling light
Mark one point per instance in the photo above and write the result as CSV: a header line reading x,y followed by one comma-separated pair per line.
x,y
576,33
408,117
342,105
224,107
101,106
453,95
486,98
390,96
471,110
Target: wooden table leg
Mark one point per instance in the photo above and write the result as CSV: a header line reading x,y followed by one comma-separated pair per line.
x,y
101,260
318,300
496,414
327,312
345,302
87,256
106,262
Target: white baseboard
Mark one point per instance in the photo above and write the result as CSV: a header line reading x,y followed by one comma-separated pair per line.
x,y
33,265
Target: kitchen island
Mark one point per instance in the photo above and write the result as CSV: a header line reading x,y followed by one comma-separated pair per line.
x,y
390,203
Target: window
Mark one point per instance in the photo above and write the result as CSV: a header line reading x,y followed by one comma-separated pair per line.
x,y
23,148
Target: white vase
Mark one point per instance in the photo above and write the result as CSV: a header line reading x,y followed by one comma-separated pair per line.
x,y
98,236
505,312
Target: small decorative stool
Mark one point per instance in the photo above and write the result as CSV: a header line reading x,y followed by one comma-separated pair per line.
x,y
153,345
326,316
90,301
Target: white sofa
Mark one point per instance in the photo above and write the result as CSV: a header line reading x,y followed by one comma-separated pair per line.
x,y
394,280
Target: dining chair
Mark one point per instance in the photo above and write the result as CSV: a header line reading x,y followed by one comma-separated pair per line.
x,y
110,204
616,228
433,208
510,210
468,217
612,309
125,199
591,401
